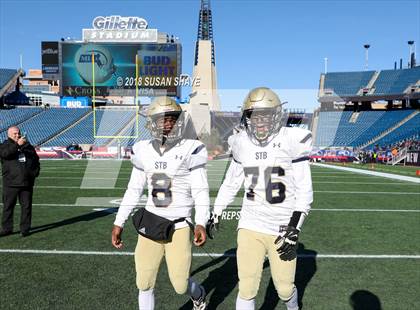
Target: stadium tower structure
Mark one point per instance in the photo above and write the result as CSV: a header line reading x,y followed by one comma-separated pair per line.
x,y
204,97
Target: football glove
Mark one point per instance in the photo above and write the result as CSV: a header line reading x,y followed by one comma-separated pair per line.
x,y
287,244
212,225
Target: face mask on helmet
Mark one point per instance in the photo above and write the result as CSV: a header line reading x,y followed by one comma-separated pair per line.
x,y
167,127
261,124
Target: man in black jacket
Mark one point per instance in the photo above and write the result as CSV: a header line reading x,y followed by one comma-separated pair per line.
x,y
20,167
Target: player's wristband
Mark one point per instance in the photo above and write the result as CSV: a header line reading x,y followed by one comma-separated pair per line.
x,y
297,219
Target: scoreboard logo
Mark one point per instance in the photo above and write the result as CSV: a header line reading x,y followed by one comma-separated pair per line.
x,y
102,64
117,22
117,28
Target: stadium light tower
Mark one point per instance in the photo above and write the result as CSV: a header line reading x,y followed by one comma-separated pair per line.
x,y
410,52
366,46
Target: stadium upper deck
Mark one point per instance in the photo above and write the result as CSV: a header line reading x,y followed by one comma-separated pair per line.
x,y
370,85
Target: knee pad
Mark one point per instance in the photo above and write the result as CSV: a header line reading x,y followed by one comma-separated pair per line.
x,y
180,285
248,289
146,281
285,291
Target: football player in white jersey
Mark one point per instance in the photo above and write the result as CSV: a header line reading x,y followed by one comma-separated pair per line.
x,y
272,162
174,170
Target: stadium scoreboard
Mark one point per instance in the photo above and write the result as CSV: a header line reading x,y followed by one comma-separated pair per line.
x,y
120,69
118,56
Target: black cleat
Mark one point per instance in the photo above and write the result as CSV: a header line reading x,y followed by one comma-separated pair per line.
x,y
25,233
4,233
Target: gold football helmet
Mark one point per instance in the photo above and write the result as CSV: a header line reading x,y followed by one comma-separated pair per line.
x,y
165,120
261,115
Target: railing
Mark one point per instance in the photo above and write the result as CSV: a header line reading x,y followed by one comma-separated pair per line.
x,y
400,156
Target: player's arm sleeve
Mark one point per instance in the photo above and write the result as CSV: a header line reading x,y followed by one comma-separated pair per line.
x,y
232,183
200,194
303,180
132,196
135,157
199,186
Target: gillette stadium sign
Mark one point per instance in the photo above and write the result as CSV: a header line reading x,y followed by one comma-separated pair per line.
x,y
117,28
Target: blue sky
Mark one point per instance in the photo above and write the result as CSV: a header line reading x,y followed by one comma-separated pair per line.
x,y
279,44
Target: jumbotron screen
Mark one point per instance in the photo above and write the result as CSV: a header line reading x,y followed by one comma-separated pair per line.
x,y
113,66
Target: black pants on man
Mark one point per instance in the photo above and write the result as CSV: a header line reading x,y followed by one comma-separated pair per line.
x,y
10,196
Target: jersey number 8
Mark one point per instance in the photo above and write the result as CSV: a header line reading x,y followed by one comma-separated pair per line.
x,y
161,193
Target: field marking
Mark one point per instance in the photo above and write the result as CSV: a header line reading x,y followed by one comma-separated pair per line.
x,y
113,172
365,183
353,176
370,193
372,173
211,181
323,192
349,210
78,187
115,253
218,179
113,206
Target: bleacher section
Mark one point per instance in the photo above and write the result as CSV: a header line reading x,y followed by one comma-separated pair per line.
x,y
396,81
48,123
6,75
16,116
407,130
388,82
130,130
109,123
335,128
327,127
347,83
225,122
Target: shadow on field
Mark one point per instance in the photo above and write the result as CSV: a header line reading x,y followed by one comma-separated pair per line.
x,y
305,270
81,218
365,300
221,282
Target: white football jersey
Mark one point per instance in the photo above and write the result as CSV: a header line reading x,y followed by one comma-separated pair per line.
x,y
176,180
276,179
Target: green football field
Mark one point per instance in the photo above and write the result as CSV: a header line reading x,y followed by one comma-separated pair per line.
x,y
410,171
362,235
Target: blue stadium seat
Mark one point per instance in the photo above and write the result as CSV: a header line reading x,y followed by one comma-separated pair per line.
x,y
16,116
335,129
347,83
6,75
391,82
143,133
407,130
47,124
109,123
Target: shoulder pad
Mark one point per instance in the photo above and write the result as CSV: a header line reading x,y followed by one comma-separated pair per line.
x,y
198,155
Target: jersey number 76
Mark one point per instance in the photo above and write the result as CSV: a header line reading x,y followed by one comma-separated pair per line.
x,y
274,191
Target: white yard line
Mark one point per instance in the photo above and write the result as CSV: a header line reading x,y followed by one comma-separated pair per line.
x,y
323,192
369,193
218,179
370,183
349,210
115,253
100,207
372,173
